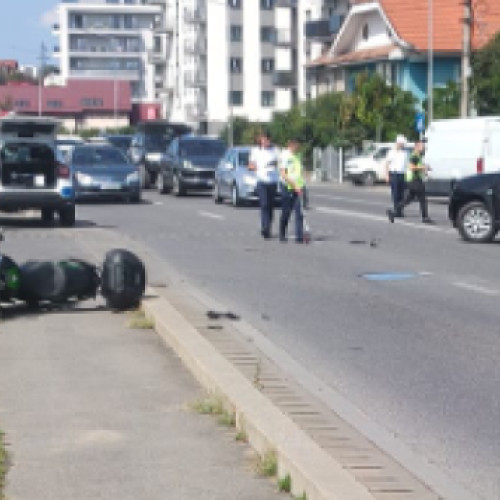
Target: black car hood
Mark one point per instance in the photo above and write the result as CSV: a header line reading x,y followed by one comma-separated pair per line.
x,y
479,182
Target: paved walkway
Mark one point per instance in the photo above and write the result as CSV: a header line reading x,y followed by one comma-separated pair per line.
x,y
94,409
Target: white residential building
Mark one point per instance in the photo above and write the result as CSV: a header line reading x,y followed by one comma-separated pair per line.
x,y
236,58
111,40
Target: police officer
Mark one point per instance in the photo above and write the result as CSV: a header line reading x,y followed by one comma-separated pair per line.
x,y
396,161
414,177
291,176
264,160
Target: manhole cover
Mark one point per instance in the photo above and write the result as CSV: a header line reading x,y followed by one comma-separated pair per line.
x,y
388,276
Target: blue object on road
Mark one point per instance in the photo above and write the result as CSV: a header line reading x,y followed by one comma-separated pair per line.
x,y
388,276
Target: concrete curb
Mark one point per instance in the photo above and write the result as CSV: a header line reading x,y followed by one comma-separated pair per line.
x,y
311,469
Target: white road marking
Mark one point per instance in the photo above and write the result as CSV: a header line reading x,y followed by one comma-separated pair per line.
x,y
158,203
380,218
476,288
211,215
350,200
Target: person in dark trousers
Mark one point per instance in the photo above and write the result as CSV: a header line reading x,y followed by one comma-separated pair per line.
x,y
396,161
292,178
264,160
414,177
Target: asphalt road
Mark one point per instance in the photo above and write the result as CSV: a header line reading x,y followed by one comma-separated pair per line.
x,y
418,356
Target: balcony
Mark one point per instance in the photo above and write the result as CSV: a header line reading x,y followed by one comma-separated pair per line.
x,y
195,47
164,25
323,29
195,16
195,78
106,74
284,79
283,38
286,3
156,57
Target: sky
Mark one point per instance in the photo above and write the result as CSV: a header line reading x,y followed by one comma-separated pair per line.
x,y
24,25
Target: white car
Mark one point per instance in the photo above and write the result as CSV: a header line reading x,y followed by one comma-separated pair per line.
x,y
369,168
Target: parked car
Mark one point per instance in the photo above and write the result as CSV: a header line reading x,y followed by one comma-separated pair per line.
x,y
65,143
233,180
31,175
103,171
148,146
189,164
369,168
474,207
458,148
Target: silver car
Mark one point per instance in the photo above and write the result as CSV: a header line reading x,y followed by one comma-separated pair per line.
x,y
233,180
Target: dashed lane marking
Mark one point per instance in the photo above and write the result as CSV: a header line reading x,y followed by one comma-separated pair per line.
x,y
476,288
379,218
350,200
211,215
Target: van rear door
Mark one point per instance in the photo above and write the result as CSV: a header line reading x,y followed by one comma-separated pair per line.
x,y
43,129
492,146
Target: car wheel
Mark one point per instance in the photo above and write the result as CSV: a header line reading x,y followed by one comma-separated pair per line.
x,y
177,188
369,179
160,183
475,222
235,196
217,196
144,177
47,214
67,216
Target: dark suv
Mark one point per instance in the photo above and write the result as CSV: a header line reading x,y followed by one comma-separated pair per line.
x,y
474,207
149,144
189,164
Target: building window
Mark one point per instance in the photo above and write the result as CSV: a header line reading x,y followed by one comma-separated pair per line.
x,y
236,65
267,65
89,102
267,34
234,4
236,33
236,98
365,33
55,104
22,103
267,99
267,4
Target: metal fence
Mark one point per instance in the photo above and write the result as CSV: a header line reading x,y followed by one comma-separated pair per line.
x,y
328,163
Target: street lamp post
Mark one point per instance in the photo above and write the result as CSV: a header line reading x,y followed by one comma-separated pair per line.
x,y
430,62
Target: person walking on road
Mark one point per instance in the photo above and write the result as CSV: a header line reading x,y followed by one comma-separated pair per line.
x,y
414,178
292,178
264,160
395,173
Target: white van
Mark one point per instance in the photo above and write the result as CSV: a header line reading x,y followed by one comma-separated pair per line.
x,y
458,148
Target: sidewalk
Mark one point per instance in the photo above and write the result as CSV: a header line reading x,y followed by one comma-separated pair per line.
x,y
94,409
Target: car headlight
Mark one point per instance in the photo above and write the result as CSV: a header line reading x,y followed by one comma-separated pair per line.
x,y
187,164
133,178
83,179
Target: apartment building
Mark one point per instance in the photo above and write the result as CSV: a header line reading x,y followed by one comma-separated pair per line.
x,y
117,40
236,58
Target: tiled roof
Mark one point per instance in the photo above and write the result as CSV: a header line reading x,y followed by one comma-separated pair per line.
x,y
351,57
410,20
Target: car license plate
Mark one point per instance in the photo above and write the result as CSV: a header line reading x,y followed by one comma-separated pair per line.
x,y
111,186
39,180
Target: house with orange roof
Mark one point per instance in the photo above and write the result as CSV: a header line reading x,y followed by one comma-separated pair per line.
x,y
394,38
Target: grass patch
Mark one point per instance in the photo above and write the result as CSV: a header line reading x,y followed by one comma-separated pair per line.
x,y
241,436
268,464
302,497
285,483
139,321
227,419
209,405
4,465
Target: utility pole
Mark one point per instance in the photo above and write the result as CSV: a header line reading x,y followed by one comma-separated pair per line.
x,y
43,60
430,62
466,51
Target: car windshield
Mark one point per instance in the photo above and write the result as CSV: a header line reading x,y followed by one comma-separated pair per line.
x,y
26,153
101,156
120,142
244,158
157,143
202,148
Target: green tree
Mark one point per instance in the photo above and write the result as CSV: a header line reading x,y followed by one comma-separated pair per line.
x,y
446,101
486,77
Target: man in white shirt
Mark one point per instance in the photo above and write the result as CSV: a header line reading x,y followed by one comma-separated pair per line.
x,y
264,160
395,164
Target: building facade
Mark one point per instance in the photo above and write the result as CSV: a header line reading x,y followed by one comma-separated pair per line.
x,y
111,40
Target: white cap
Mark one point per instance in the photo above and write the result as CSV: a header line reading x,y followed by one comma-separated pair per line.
x,y
400,139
